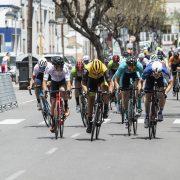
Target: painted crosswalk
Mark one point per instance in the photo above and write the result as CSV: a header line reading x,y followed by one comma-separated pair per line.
x,y
11,121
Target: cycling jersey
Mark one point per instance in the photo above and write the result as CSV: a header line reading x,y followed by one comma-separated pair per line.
x,y
112,65
75,73
172,60
57,76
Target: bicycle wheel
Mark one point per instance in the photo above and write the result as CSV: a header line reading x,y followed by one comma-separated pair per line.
x,y
83,111
150,129
177,95
122,116
95,119
135,126
46,113
154,129
61,127
98,124
130,116
56,128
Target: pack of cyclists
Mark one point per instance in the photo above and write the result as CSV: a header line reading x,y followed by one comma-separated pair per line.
x,y
91,75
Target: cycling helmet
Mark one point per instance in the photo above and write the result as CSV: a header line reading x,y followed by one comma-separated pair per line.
x,y
96,66
116,58
42,62
129,46
131,61
86,59
141,56
58,61
176,54
79,65
126,54
157,67
153,57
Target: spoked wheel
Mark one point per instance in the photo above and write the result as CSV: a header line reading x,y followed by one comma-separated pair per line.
x,y
56,129
61,127
93,130
83,112
98,125
150,130
47,118
135,126
94,125
122,117
129,127
154,129
177,95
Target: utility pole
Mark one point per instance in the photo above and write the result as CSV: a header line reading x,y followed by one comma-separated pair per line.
x,y
29,35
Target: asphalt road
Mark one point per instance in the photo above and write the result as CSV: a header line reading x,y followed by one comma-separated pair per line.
x,y
28,151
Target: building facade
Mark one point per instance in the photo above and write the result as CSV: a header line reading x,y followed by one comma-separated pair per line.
x,y
13,30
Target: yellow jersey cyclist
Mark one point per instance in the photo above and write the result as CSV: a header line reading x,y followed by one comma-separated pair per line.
x,y
129,69
95,76
76,76
60,79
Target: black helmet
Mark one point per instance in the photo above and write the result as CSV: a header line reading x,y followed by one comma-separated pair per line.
x,y
176,54
160,55
58,61
126,54
131,61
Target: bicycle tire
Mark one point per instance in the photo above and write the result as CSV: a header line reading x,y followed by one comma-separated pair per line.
x,y
56,128
135,127
150,130
82,111
94,123
130,116
177,95
98,124
154,130
45,113
61,129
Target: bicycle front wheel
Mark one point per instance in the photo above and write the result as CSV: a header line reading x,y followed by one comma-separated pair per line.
x,y
61,127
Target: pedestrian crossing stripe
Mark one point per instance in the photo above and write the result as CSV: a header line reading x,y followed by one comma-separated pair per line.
x,y
177,121
11,121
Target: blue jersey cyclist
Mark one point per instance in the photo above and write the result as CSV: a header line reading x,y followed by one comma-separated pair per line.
x,y
155,72
129,69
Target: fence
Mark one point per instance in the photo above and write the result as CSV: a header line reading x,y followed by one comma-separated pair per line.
x,y
7,94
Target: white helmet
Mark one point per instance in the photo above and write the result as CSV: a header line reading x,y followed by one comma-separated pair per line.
x,y
157,67
86,59
141,55
42,62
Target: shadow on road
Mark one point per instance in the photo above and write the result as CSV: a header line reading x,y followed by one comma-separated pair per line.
x,y
88,139
118,134
49,137
145,138
35,126
75,126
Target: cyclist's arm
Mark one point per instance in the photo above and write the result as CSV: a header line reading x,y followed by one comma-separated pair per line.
x,y
68,84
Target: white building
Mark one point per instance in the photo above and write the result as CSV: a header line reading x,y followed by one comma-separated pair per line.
x,y
43,20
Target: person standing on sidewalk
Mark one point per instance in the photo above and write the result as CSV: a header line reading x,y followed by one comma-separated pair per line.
x,y
4,65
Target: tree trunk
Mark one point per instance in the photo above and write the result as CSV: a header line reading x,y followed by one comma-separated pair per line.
x,y
99,48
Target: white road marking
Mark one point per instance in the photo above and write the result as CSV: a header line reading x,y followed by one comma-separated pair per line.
x,y
75,135
51,151
177,121
41,123
106,120
15,175
11,121
140,121
27,101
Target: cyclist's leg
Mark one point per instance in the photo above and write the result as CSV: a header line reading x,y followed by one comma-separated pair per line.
x,y
77,85
54,87
37,83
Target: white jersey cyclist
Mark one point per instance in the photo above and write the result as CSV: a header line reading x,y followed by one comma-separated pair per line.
x,y
56,75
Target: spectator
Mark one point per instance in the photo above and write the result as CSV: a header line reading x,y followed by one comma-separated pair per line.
x,y
4,65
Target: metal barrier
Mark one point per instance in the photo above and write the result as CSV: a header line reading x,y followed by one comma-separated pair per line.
x,y
7,94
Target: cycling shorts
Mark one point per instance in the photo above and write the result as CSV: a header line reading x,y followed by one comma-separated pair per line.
x,y
56,85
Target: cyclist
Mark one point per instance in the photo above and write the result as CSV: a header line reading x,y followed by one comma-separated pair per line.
x,y
95,76
60,79
155,72
174,64
86,59
131,68
37,77
77,73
